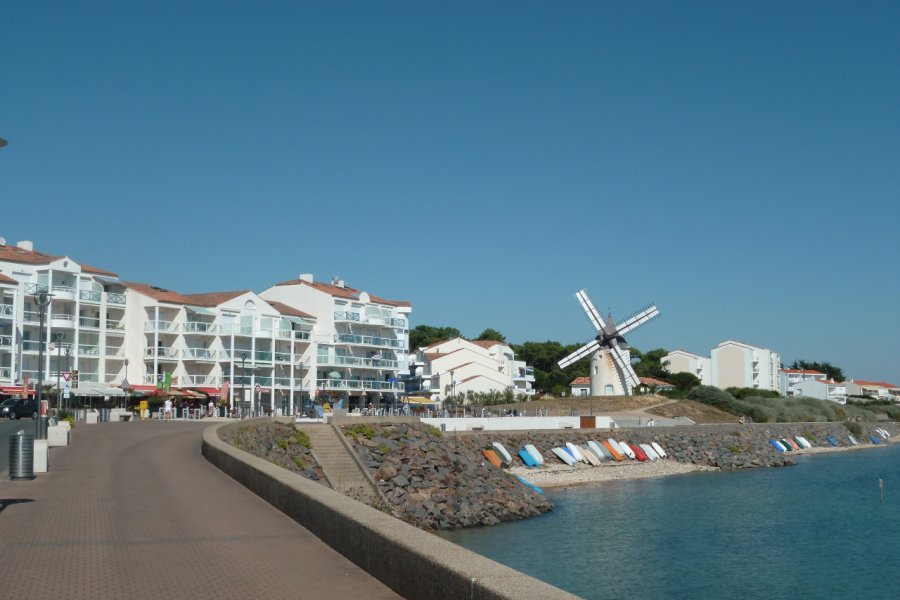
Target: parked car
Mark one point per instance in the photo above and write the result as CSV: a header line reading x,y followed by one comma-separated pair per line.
x,y
16,408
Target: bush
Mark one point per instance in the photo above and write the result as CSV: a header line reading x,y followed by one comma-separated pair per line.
x,y
302,439
853,427
361,430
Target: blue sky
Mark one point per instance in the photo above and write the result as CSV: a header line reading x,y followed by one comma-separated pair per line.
x,y
736,163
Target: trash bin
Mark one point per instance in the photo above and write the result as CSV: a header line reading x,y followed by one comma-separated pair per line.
x,y
21,457
104,415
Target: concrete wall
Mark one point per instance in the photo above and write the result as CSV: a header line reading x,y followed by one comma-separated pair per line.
x,y
512,423
412,562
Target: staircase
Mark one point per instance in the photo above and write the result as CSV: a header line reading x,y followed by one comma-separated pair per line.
x,y
336,460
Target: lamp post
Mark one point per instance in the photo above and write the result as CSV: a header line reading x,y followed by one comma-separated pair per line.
x,y
43,301
68,368
59,338
243,378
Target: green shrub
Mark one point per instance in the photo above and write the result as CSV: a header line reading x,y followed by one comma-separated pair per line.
x,y
734,450
361,430
282,443
382,448
299,462
302,439
434,431
853,427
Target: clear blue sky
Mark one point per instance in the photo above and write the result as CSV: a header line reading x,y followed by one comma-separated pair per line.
x,y
736,163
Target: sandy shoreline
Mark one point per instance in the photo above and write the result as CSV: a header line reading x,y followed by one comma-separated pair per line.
x,y
560,475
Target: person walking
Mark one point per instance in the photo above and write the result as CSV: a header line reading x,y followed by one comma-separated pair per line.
x,y
167,409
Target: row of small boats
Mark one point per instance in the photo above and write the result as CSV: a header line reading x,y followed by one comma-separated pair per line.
x,y
798,442
592,453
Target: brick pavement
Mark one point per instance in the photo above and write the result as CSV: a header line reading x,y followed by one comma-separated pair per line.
x,y
132,510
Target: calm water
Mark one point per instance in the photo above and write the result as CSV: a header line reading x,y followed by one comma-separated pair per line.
x,y
816,530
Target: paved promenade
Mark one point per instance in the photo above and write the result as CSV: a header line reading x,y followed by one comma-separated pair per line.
x,y
132,510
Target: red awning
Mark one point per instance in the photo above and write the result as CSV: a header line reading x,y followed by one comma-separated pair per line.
x,y
210,391
16,389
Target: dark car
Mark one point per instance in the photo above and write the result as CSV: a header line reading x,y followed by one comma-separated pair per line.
x,y
16,408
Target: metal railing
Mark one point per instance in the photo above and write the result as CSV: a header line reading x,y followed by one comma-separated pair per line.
x,y
86,350
346,316
89,296
6,373
200,354
61,288
89,322
6,310
359,384
263,356
31,345
161,326
212,380
36,288
114,298
6,341
200,327
398,322
162,353
367,340
355,361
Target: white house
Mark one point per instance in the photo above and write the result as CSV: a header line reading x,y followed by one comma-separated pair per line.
x,y
876,389
580,386
681,361
788,378
456,367
823,389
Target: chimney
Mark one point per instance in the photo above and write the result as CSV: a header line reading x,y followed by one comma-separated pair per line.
x,y
26,245
307,277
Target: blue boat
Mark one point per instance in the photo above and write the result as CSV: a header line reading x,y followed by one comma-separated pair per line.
x,y
570,453
777,445
831,440
530,485
874,439
527,458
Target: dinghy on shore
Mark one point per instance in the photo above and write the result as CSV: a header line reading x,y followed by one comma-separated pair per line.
x,y
576,452
649,451
853,440
831,440
502,452
590,456
638,453
627,450
613,447
778,445
659,449
564,455
527,458
802,441
535,454
599,450
530,485
874,439
492,458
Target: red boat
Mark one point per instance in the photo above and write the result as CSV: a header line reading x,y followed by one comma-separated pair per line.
x,y
638,452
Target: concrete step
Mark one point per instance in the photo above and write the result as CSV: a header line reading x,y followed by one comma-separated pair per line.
x,y
341,470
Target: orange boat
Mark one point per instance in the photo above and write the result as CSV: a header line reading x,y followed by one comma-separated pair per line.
x,y
614,451
492,457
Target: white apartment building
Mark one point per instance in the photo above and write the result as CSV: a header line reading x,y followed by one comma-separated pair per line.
x,y
881,390
681,361
731,364
456,367
361,340
788,378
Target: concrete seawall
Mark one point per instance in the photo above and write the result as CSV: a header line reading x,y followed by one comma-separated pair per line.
x,y
412,562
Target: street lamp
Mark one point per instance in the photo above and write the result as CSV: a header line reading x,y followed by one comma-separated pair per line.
x,y
43,301
59,339
68,368
243,378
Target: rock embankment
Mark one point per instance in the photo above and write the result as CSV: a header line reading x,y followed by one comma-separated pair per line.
x,y
280,444
438,482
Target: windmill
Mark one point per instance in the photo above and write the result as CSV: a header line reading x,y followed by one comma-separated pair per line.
x,y
611,372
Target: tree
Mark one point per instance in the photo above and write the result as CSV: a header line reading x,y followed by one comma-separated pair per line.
x,y
832,372
426,335
492,334
650,363
684,382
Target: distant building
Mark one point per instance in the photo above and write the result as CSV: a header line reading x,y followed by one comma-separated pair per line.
x,y
680,361
580,386
456,367
788,378
876,389
823,389
650,385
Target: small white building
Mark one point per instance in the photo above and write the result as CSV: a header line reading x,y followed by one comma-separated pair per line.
x,y
788,378
881,390
823,389
580,386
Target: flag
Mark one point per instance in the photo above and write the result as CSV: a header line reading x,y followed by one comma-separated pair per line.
x,y
223,391
25,384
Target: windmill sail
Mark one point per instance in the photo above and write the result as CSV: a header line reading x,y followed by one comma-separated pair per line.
x,y
623,365
588,307
585,350
635,321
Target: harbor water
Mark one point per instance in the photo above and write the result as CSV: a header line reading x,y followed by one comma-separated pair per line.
x,y
815,530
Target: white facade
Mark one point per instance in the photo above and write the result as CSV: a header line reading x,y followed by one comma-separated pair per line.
x,y
580,386
736,364
823,389
362,341
680,361
881,390
457,367
788,378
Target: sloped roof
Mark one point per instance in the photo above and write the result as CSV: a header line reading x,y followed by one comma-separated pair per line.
x,y
343,292
581,381
289,310
171,297
5,279
802,371
487,344
655,382
14,254
883,384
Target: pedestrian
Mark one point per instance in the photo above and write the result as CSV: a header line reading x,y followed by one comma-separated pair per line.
x,y
167,409
209,408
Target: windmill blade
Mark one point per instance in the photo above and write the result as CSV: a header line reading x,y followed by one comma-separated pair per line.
x,y
588,307
635,321
624,365
585,350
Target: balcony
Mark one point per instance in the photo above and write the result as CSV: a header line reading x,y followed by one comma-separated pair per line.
x,y
30,345
355,361
162,354
346,316
367,340
90,296
6,311
115,328
362,385
63,292
401,323
200,327
200,354
62,321
290,334
235,329
115,352
89,376
89,322
210,380
113,298
160,326
32,289
6,342
263,356
282,357
87,351
6,373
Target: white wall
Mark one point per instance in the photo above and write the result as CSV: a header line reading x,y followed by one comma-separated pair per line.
x,y
513,423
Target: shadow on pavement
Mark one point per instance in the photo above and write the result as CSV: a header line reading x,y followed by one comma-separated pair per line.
x,y
10,501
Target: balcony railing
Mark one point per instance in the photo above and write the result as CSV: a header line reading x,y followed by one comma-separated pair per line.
x,y
89,351
31,345
6,373
36,288
86,376
31,316
263,356
290,334
114,298
211,380
367,340
162,353
200,327
355,361
234,329
359,384
200,354
6,310
90,296
283,357
398,323
93,322
5,341
346,316
161,326
115,352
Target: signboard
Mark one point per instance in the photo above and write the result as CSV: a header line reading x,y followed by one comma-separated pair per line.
x,y
75,378
258,388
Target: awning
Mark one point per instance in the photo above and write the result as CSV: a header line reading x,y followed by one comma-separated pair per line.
x,y
201,311
15,389
96,390
419,400
209,391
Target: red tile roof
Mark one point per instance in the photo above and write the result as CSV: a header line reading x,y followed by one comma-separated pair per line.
x,y
289,310
655,382
487,344
15,254
802,371
581,381
163,295
5,279
343,292
883,384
